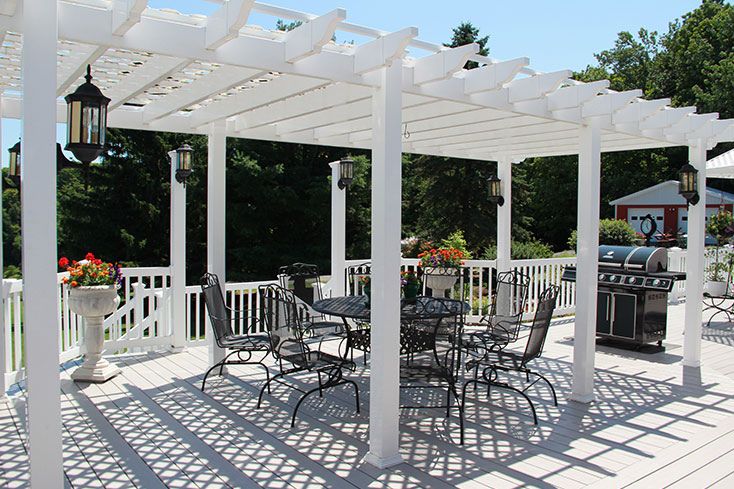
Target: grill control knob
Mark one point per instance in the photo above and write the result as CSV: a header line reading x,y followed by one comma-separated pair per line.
x,y
656,282
613,278
602,276
630,280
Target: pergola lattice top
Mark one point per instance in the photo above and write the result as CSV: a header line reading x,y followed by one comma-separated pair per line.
x,y
168,71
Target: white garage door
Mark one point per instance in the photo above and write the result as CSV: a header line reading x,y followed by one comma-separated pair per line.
x,y
683,217
635,217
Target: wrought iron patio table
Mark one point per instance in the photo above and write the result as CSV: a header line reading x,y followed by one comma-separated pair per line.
x,y
423,322
721,304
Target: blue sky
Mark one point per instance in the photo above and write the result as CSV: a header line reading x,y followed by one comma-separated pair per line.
x,y
553,34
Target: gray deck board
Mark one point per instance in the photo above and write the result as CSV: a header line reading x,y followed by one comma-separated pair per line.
x,y
653,424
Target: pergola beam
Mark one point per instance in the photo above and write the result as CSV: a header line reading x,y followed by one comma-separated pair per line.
x,y
275,90
383,51
443,64
222,79
63,85
308,38
149,75
492,76
125,14
225,23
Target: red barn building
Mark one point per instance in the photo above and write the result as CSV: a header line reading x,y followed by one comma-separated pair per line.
x,y
663,202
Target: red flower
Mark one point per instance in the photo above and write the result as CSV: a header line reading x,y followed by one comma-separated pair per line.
x,y
63,262
97,261
89,256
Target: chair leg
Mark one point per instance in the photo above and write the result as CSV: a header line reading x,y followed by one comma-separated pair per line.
x,y
321,387
203,382
532,406
300,401
356,392
266,386
553,390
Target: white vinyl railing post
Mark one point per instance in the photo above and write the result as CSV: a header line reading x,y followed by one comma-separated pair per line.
x,y
178,260
4,336
695,262
38,227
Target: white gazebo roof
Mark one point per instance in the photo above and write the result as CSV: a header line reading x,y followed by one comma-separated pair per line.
x,y
721,166
173,72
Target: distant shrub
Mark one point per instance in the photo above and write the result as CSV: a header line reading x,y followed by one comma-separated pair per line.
x,y
456,240
11,271
522,250
611,232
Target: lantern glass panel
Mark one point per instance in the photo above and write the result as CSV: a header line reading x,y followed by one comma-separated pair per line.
x,y
103,124
75,122
13,169
346,168
184,160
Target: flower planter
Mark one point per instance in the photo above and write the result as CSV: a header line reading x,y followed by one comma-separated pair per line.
x,y
716,288
440,279
93,303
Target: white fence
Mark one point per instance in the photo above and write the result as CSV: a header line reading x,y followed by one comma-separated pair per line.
x,y
143,318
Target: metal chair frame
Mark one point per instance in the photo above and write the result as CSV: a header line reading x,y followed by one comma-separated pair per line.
x,y
519,362
224,336
292,343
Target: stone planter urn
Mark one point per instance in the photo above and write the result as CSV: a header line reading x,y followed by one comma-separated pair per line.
x,y
440,279
715,288
93,303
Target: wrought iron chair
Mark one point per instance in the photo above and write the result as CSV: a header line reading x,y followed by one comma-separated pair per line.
x,y
428,333
354,272
518,362
221,318
297,347
304,281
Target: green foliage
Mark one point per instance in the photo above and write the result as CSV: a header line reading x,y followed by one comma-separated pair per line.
x,y
282,25
12,271
611,232
720,225
522,250
720,266
456,240
466,33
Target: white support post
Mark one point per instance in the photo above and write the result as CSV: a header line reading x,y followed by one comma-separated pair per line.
x,y
504,215
178,260
216,219
38,224
3,352
584,344
386,202
338,232
695,262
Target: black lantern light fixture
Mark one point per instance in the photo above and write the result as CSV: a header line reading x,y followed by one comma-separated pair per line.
x,y
688,184
86,120
14,166
346,173
184,163
494,185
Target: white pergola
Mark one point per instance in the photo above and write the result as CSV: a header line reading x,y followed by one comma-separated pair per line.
x,y
721,166
219,76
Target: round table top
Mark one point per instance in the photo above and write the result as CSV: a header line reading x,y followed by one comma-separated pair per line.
x,y
355,307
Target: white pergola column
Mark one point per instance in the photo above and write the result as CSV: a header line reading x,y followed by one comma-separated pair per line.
x,y
38,224
695,262
338,232
178,259
216,218
385,318
504,215
587,263
3,351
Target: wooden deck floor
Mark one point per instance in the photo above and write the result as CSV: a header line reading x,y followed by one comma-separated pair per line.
x,y
654,424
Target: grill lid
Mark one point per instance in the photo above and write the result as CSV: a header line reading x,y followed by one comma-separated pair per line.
x,y
637,258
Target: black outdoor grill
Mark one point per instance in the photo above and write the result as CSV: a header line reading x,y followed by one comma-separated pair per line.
x,y
632,301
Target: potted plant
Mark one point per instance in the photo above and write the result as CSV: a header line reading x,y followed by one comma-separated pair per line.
x,y
410,283
364,281
441,267
93,286
721,227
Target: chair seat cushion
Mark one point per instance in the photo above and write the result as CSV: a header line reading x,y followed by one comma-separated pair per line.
x,y
247,341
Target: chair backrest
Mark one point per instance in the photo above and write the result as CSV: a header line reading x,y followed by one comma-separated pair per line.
x,y
511,291
354,272
282,318
219,313
541,324
303,280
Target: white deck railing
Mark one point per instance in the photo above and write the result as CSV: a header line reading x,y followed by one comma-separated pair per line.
x,y
143,318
